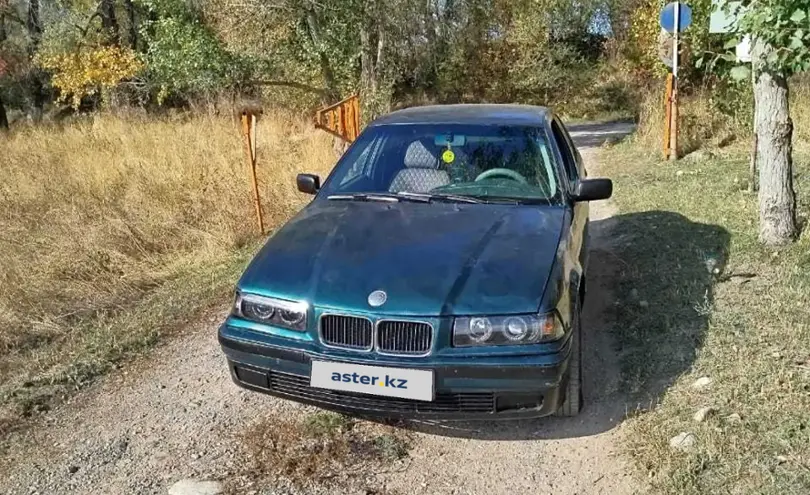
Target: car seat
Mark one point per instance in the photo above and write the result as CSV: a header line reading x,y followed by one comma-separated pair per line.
x,y
421,173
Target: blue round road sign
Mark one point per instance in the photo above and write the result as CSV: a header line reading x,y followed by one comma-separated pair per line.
x,y
667,18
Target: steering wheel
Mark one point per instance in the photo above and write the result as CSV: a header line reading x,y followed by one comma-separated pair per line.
x,y
501,172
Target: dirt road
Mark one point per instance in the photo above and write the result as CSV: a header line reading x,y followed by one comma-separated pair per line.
x,y
174,415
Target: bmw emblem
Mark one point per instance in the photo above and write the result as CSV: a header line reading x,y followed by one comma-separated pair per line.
x,y
377,298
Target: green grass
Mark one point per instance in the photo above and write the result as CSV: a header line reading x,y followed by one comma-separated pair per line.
x,y
324,423
696,295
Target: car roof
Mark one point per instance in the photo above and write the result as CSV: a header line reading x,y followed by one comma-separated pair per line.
x,y
467,114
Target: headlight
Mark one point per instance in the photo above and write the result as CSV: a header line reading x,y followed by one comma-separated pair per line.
x,y
270,311
506,330
479,329
515,328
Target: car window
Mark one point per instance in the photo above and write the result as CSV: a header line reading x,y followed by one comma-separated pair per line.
x,y
359,165
568,154
472,160
580,170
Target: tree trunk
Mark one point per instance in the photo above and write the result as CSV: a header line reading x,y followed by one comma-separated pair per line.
x,y
329,80
752,166
366,66
368,76
378,61
108,19
752,162
37,86
3,116
33,25
3,67
774,130
375,92
133,28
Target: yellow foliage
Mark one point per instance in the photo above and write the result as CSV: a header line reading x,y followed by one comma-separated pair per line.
x,y
644,31
89,70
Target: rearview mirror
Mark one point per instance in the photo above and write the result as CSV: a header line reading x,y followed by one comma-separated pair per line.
x,y
308,183
449,140
593,189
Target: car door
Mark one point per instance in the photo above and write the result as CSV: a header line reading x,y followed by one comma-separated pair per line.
x,y
574,171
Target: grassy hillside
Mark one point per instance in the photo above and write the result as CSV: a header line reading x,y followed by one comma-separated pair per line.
x,y
117,230
698,297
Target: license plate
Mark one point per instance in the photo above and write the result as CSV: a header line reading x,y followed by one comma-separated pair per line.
x,y
375,380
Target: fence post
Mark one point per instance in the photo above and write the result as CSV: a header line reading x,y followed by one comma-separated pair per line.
x,y
249,133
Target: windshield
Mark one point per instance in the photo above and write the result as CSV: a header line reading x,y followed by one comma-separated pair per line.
x,y
486,162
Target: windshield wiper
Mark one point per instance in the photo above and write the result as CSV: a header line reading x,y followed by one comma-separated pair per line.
x,y
404,196
365,197
415,197
427,197
515,201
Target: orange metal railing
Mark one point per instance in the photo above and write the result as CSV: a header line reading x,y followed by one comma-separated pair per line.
x,y
341,119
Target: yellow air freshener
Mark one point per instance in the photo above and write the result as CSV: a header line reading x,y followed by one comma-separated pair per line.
x,y
448,156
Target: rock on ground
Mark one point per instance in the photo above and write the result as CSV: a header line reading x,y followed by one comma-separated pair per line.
x,y
683,441
195,487
699,156
703,413
702,383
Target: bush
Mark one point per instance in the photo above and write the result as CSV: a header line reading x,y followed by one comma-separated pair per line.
x,y
89,71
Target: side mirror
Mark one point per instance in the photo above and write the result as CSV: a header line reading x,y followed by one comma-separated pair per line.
x,y
308,183
593,189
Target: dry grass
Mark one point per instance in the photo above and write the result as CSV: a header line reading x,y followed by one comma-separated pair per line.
x,y
702,124
116,230
325,450
800,112
609,93
745,325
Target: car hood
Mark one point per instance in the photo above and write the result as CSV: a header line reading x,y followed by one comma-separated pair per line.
x,y
431,259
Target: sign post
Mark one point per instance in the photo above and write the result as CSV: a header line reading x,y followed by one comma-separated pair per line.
x,y
668,117
249,118
674,126
675,18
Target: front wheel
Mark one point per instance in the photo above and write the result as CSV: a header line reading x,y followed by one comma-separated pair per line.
x,y
573,391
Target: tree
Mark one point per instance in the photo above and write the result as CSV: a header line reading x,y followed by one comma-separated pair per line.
x,y
780,34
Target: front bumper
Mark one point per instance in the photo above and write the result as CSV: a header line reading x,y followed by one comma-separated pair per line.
x,y
478,388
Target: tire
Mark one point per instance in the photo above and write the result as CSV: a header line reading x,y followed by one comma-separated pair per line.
x,y
573,391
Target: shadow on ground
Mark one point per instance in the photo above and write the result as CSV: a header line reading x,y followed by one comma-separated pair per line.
x,y
645,316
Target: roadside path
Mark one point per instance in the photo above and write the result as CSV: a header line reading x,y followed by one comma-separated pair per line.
x,y
174,414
